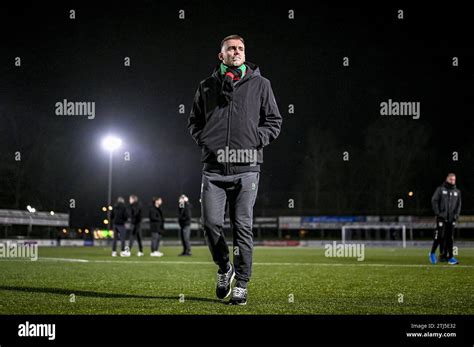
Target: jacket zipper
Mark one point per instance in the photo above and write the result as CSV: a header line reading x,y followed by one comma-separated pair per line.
x,y
228,135
227,165
449,205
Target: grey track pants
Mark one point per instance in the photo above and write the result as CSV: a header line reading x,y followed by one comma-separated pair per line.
x,y
119,232
185,236
239,192
136,232
155,241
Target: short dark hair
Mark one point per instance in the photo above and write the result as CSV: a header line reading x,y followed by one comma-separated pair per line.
x,y
451,174
232,37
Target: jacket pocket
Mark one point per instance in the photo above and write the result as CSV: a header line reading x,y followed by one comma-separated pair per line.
x,y
202,136
249,182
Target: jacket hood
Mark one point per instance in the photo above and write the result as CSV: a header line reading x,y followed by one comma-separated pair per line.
x,y
252,70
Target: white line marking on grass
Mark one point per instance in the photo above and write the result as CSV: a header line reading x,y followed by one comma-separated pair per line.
x,y
72,260
255,263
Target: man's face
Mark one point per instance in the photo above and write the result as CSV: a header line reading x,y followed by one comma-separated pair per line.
x,y
158,202
131,200
232,53
451,180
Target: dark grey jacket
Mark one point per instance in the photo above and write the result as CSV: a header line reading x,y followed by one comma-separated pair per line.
x,y
446,202
119,214
250,121
184,214
135,213
157,221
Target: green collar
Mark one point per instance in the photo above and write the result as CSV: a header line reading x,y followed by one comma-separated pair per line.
x,y
242,67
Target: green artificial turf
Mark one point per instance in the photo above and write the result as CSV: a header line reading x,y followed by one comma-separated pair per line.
x,y
285,281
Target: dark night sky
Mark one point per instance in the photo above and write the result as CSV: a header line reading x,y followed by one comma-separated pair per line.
x,y
336,107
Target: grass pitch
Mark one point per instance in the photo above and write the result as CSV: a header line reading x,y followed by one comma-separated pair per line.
x,y
285,281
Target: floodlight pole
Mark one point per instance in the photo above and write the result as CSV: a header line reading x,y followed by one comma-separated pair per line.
x,y
109,195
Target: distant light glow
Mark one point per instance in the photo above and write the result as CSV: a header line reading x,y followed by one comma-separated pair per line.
x,y
111,143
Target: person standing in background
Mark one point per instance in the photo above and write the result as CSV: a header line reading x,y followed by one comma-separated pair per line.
x,y
184,218
119,217
446,203
135,228
157,226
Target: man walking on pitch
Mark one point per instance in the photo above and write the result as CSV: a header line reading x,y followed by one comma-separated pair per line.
x,y
234,115
446,202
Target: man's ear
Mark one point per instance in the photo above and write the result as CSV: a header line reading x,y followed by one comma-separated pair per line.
x,y
220,56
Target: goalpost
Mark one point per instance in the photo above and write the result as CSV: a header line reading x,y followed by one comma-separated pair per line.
x,y
403,228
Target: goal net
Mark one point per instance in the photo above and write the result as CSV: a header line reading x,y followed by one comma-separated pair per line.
x,y
371,232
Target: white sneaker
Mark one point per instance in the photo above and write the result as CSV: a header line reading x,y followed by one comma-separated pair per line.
x,y
156,254
125,254
114,254
140,254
